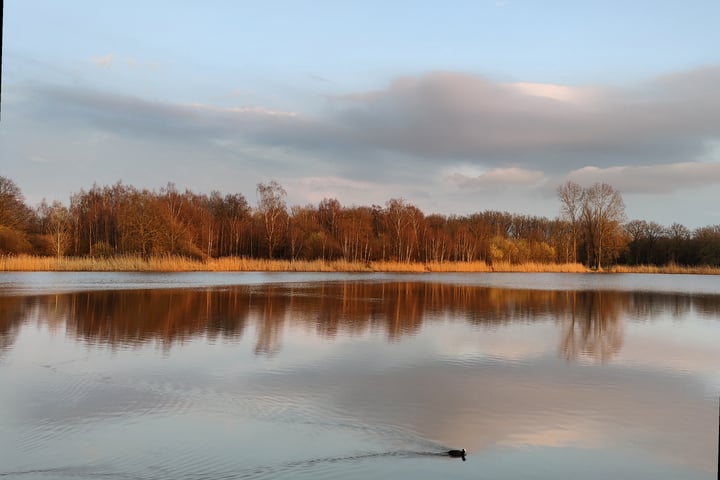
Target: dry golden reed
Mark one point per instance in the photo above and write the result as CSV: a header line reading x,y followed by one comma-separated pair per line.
x,y
670,269
135,263
167,263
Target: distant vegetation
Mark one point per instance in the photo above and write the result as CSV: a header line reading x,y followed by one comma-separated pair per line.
x,y
173,263
120,227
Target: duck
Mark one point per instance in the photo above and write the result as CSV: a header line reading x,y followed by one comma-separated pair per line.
x,y
457,453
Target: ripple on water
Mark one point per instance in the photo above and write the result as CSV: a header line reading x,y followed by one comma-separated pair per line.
x,y
66,406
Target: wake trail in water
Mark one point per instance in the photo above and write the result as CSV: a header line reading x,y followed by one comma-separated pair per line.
x,y
259,473
65,472
253,473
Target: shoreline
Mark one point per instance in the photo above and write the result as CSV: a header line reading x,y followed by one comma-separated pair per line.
x,y
134,263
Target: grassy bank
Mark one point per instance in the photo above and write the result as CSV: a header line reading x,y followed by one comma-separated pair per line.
x,y
28,263
132,263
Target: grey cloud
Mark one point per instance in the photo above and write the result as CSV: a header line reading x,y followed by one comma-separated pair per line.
x,y
126,114
447,115
196,124
284,137
440,119
652,179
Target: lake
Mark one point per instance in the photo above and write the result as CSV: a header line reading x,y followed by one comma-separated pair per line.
x,y
356,376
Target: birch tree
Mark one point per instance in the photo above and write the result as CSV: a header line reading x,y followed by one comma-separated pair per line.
x,y
272,210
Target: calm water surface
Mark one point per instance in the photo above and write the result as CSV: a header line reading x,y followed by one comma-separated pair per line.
x,y
252,376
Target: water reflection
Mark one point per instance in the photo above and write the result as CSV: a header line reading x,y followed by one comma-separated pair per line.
x,y
14,311
592,322
352,379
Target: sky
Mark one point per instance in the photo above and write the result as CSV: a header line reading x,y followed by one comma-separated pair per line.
x,y
456,107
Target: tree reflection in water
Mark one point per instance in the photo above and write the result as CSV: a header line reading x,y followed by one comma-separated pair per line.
x,y
592,322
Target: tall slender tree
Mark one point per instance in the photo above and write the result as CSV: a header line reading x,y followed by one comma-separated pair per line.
x,y
272,210
57,225
571,203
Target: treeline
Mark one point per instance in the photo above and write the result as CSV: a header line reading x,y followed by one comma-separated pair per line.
x,y
120,219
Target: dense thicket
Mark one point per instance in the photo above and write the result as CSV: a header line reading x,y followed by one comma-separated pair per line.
x,y
121,219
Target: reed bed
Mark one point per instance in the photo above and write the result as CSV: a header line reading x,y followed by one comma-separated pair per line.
x,y
668,269
123,263
533,267
135,263
166,263
236,264
529,267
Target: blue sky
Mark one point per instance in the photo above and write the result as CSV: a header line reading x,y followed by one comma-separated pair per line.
x,y
455,106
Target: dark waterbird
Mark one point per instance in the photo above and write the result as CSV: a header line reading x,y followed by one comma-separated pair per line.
x,y
457,453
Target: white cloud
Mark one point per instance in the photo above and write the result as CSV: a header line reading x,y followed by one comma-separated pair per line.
x,y
561,93
498,178
243,110
313,189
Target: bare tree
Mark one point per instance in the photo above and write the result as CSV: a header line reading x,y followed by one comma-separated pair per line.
x,y
298,222
437,240
174,208
58,226
14,213
403,223
272,209
571,203
596,212
603,213
328,212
